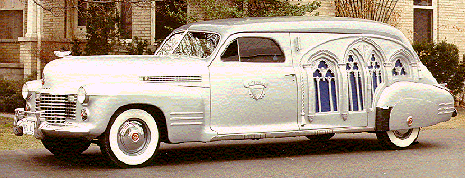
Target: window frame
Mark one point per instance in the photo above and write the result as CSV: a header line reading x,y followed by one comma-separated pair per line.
x,y
81,24
236,40
407,63
434,19
11,28
361,87
184,33
333,97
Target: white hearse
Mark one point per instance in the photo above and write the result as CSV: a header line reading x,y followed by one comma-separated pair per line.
x,y
238,79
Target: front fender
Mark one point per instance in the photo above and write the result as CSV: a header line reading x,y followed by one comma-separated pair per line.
x,y
425,104
169,98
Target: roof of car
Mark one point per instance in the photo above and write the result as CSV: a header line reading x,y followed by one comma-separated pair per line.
x,y
314,24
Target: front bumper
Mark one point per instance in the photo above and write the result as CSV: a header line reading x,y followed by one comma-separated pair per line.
x,y
30,123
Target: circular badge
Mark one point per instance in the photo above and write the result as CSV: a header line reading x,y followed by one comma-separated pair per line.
x,y
135,137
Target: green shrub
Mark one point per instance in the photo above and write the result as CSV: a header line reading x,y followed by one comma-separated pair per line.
x,y
442,60
10,95
138,47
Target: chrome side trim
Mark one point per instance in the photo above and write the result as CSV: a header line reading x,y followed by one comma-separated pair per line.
x,y
290,133
186,118
185,113
446,108
445,104
186,123
164,79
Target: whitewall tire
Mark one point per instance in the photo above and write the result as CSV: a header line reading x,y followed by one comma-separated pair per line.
x,y
131,139
398,139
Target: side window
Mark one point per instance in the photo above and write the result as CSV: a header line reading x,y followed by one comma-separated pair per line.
x,y
355,75
324,79
231,53
374,70
253,49
399,68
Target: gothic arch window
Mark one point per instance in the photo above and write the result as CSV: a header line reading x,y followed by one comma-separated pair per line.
x,y
375,72
324,79
400,68
355,77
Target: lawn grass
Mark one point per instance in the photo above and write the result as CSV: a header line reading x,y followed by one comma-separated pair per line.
x,y
9,141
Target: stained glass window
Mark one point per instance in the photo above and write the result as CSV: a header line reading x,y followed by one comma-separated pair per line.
x,y
374,69
354,75
324,80
399,68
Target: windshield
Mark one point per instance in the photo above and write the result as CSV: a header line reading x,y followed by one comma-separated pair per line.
x,y
197,44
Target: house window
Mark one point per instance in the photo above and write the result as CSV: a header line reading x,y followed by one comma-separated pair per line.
x,y
11,24
354,75
423,21
324,80
374,70
124,8
82,7
422,2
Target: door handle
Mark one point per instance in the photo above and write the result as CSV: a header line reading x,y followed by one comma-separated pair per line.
x,y
289,75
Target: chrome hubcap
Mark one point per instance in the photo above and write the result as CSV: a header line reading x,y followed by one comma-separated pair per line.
x,y
402,134
133,137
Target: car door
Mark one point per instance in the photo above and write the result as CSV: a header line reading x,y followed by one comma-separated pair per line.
x,y
253,85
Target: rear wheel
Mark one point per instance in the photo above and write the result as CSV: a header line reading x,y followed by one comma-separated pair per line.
x,y
398,139
131,139
66,146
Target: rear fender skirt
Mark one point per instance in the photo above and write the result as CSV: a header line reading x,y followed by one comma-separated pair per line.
x,y
382,118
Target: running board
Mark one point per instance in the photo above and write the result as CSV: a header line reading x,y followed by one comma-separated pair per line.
x,y
246,136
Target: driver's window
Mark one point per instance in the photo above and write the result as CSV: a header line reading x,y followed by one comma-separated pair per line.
x,y
253,49
231,53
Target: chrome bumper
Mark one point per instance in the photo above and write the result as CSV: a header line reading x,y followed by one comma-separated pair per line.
x,y
42,129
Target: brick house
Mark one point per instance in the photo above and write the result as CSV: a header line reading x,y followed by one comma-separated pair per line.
x,y
28,33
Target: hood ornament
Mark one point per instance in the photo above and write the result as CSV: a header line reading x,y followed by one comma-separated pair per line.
x,y
62,54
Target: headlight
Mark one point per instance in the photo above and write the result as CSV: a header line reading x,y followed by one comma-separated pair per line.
x,y
81,95
25,92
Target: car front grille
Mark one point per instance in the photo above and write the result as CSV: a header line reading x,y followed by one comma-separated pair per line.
x,y
56,108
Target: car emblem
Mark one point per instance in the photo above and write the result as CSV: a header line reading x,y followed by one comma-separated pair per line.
x,y
410,121
256,89
135,137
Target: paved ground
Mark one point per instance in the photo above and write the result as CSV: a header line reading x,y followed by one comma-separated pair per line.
x,y
439,153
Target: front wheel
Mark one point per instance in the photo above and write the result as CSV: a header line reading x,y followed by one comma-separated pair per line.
x,y
131,139
398,139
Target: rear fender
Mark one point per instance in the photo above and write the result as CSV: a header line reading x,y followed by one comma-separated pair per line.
x,y
412,105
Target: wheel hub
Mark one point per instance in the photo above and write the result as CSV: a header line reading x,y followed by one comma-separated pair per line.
x,y
402,134
133,137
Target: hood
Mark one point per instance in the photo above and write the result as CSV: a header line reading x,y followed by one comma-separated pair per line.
x,y
70,73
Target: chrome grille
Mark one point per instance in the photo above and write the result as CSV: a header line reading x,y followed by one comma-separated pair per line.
x,y
172,78
57,108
